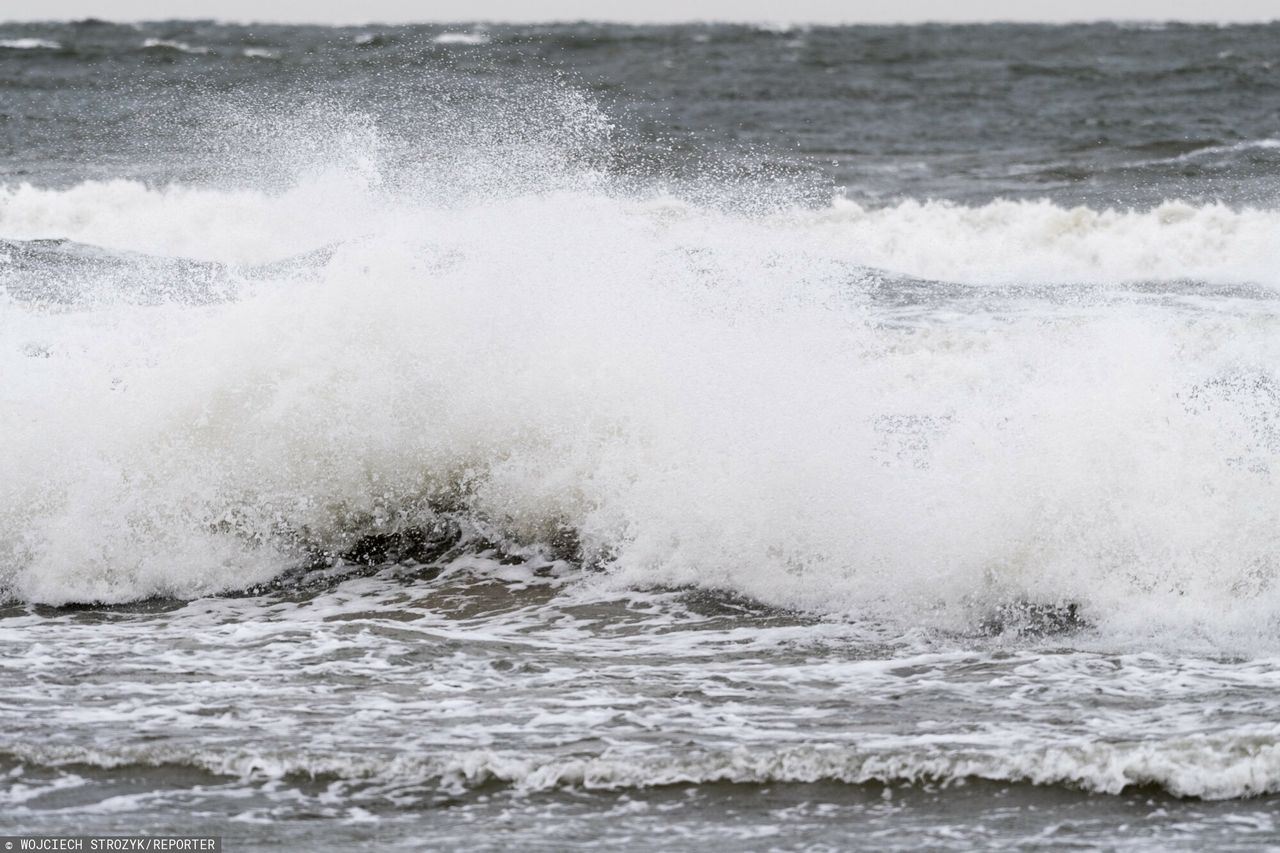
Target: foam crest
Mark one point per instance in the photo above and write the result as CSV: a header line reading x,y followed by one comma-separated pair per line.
x,y
242,226
29,44
1000,243
1215,768
171,44
1008,242
473,38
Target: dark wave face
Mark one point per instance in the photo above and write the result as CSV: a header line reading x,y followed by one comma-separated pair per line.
x,y
698,437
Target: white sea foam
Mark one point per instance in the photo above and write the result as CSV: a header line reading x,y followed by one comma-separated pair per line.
x,y
1210,768
1234,148
537,685
29,44
461,38
239,226
171,44
1000,243
700,395
1037,241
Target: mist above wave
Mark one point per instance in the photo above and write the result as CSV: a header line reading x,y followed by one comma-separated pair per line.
x,y
682,386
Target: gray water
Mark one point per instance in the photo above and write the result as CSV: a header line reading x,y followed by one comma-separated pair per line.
x,y
656,437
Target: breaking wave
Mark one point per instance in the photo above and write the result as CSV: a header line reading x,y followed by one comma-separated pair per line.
x,y
1210,768
901,410
1002,242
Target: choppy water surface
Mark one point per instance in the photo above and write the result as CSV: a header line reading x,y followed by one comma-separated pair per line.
x,y
663,437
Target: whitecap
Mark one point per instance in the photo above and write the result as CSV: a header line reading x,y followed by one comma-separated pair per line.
x,y
167,44
29,44
1231,148
461,38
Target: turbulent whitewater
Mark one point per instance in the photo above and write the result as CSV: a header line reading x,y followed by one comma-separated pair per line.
x,y
794,406
425,450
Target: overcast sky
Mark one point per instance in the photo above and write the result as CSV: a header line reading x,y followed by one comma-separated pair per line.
x,y
786,11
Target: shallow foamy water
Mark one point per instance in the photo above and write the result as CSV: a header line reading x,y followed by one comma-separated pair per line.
x,y
537,708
